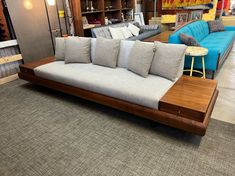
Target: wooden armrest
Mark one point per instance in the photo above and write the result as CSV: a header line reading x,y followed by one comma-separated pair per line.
x,y
189,97
29,67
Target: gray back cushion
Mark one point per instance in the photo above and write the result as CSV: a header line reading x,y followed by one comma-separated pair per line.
x,y
167,60
141,57
77,50
106,52
59,48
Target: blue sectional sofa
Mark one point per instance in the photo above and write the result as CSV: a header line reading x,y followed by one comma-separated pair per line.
x,y
219,44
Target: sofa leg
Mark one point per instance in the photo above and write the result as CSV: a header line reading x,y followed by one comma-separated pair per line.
x,y
213,75
153,124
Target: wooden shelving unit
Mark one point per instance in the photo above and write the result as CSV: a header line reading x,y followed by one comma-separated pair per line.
x,y
112,9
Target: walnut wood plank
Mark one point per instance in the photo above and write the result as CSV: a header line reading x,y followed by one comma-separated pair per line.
x,y
189,97
28,67
163,37
9,59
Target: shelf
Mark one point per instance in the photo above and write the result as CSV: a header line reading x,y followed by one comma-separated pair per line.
x,y
112,10
123,9
92,12
90,26
174,11
118,8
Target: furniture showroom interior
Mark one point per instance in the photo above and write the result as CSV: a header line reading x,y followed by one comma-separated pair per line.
x,y
117,87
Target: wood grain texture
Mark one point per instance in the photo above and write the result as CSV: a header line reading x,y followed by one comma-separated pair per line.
x,y
28,67
189,97
77,15
163,37
9,59
167,118
8,79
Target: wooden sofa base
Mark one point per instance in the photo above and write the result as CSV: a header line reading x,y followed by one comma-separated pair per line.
x,y
169,119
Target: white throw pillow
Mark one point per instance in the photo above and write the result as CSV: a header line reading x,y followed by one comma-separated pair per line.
x,y
126,33
116,33
133,29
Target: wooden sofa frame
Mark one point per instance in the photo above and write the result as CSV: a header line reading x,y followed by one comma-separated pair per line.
x,y
174,120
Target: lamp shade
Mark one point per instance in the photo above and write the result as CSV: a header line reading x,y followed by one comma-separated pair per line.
x,y
51,2
28,4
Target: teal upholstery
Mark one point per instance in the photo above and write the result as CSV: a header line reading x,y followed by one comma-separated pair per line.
x,y
217,42
199,30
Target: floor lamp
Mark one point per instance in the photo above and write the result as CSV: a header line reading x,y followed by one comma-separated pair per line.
x,y
52,3
49,23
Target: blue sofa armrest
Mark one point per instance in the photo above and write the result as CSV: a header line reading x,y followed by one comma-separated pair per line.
x,y
229,28
212,59
174,39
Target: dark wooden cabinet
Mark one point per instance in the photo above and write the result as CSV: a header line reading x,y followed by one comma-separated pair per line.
x,y
112,9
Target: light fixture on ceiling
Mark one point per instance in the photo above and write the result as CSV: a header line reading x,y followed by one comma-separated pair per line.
x,y
28,4
51,2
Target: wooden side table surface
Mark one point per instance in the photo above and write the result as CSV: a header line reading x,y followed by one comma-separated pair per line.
x,y
196,51
163,37
189,97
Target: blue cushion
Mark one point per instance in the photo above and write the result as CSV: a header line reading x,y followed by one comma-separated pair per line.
x,y
219,40
199,30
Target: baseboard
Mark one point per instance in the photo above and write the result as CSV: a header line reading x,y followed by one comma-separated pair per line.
x,y
8,79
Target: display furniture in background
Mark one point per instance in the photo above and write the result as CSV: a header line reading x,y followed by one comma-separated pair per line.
x,y
10,59
228,20
139,17
104,31
114,11
219,44
196,15
181,19
167,16
162,37
169,19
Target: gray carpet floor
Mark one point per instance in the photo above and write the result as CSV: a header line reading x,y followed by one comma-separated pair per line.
x,y
44,132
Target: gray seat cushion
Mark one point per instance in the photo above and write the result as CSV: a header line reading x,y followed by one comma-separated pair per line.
x,y
118,83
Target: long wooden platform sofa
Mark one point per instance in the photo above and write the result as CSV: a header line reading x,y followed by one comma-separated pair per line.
x,y
180,101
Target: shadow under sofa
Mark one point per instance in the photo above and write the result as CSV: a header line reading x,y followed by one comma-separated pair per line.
x,y
219,44
85,81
